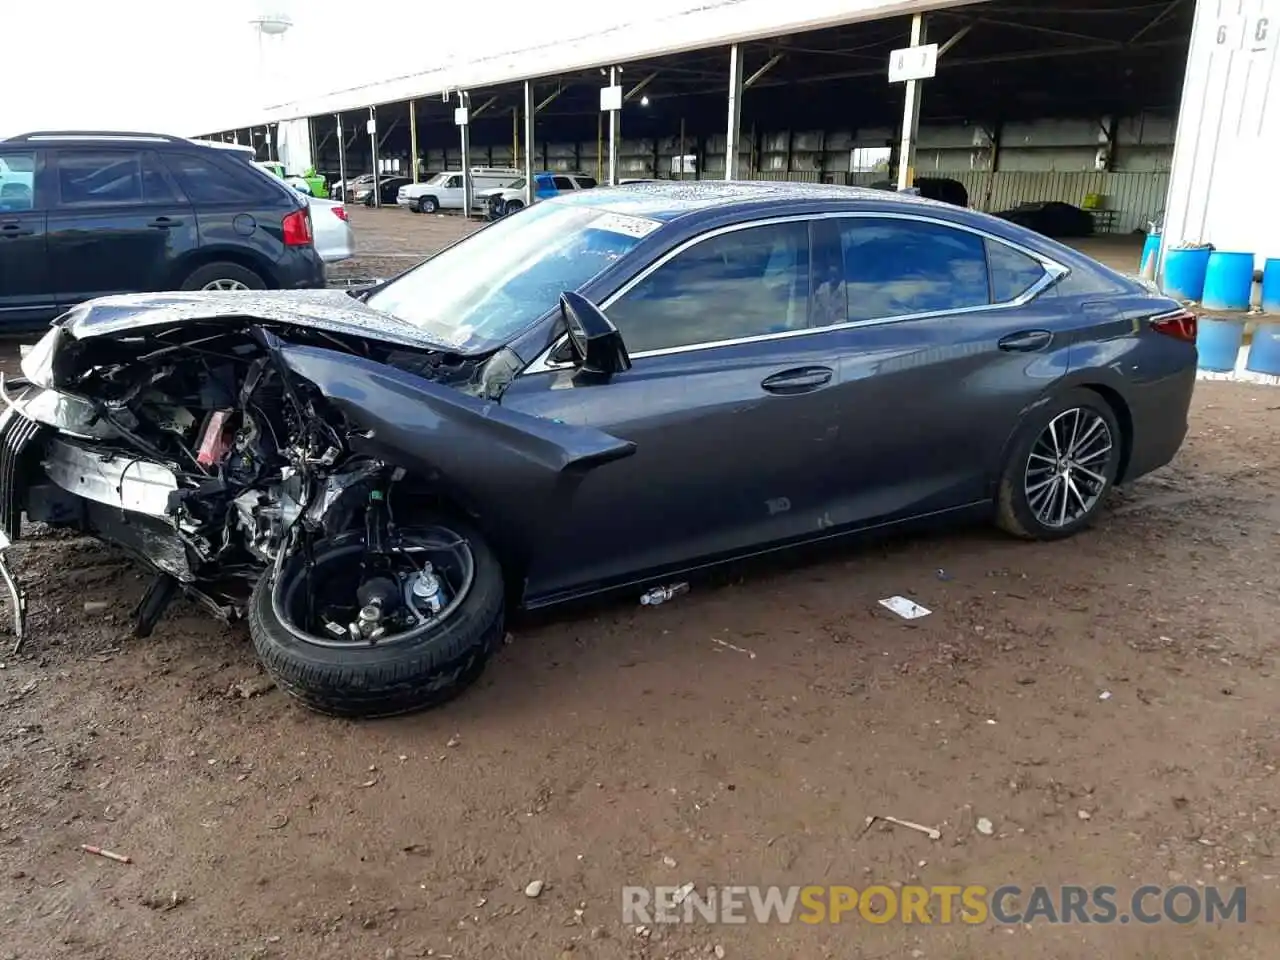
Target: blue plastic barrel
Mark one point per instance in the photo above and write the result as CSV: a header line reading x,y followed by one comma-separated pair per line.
x,y
1228,281
1184,270
1218,343
1264,352
1271,286
1152,249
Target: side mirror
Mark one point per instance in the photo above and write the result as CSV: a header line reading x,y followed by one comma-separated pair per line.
x,y
597,345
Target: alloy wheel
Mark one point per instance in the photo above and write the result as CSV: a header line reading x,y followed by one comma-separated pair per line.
x,y
225,285
1067,470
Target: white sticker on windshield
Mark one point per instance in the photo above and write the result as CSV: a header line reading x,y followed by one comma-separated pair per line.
x,y
638,227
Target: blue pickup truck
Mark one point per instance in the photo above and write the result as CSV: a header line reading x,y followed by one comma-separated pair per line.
x,y
505,200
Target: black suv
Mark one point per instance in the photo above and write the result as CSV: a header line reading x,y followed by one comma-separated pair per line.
x,y
86,214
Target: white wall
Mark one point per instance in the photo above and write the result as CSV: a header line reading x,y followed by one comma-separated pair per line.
x,y
1222,185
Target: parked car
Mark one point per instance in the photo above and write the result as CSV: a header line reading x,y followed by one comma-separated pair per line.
x,y
334,238
89,214
503,200
444,190
388,187
1051,218
339,190
615,388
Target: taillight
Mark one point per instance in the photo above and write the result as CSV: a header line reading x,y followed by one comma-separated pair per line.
x,y
339,212
1181,325
296,228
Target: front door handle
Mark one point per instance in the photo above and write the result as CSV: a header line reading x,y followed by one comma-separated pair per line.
x,y
15,230
1026,341
164,223
799,380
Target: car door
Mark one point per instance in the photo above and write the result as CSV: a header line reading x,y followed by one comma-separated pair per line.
x,y
948,336
26,292
729,401
564,184
117,224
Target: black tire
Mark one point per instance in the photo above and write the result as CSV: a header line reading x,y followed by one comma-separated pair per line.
x,y
428,204
397,678
1015,513
511,206
222,271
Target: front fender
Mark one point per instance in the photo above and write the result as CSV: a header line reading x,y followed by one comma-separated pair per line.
x,y
515,472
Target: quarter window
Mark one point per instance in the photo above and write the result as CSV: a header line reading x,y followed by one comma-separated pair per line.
x,y
895,268
562,183
743,283
1013,273
17,181
204,180
586,183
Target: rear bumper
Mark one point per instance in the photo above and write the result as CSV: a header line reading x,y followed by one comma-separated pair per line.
x,y
301,268
1159,412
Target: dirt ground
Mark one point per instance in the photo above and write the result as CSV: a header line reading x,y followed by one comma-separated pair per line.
x,y
739,735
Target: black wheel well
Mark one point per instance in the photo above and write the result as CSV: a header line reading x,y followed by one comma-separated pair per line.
x,y
412,497
241,258
1124,417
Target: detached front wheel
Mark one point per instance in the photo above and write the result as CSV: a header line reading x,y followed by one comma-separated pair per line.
x,y
350,635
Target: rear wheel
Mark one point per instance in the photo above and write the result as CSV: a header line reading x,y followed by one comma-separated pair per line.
x,y
312,631
512,206
428,205
1064,461
222,276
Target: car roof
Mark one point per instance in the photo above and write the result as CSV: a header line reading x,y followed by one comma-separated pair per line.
x,y
670,199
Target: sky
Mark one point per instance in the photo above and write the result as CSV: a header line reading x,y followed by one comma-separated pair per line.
x,y
190,66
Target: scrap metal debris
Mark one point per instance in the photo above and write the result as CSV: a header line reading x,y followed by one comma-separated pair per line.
x,y
729,646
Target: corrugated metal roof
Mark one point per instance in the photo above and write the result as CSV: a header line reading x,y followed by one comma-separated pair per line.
x,y
706,23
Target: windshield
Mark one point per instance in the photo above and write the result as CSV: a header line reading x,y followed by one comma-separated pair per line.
x,y
438,179
518,185
481,292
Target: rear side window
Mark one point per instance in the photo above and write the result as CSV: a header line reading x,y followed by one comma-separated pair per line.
x,y
17,181
1013,273
205,179
586,183
562,183
95,177
896,268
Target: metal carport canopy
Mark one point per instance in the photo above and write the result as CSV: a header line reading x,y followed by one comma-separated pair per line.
x,y
712,24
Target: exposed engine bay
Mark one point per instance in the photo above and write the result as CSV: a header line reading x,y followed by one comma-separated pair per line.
x,y
197,450
355,491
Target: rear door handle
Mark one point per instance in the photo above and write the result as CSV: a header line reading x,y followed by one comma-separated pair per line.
x,y
1026,341
799,380
164,223
15,230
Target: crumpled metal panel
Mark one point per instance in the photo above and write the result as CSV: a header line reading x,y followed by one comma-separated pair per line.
x,y
329,310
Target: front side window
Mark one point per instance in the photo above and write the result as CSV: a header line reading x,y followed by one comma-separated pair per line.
x,y
17,181
896,268
455,183
743,283
562,183
92,177
586,183
481,292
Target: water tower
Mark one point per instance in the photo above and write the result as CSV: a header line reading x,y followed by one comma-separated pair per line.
x,y
271,25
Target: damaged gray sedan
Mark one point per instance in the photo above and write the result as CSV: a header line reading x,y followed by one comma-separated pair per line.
x,y
372,480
